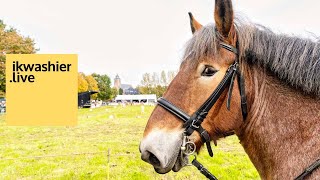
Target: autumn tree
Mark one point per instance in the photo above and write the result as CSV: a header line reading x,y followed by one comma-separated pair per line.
x,y
92,85
82,83
104,85
12,42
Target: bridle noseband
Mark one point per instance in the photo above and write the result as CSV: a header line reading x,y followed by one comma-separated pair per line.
x,y
193,123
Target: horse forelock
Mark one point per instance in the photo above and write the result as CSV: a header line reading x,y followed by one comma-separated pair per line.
x,y
203,44
294,60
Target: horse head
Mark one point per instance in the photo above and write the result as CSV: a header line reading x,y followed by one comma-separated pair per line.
x,y
202,70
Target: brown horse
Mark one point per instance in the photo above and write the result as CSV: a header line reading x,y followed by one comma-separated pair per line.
x,y
281,133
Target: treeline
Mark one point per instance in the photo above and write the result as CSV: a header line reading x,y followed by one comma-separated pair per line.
x,y
12,42
155,83
96,82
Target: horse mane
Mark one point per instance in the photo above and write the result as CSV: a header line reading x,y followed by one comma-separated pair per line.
x,y
294,60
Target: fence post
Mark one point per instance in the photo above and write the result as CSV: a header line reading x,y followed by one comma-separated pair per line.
x,y
108,166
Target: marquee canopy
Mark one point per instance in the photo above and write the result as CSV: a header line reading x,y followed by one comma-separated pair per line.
x,y
139,97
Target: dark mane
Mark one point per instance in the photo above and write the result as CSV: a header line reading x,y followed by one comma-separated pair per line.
x,y
292,59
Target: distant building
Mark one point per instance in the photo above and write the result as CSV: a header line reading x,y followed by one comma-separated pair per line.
x,y
117,82
127,88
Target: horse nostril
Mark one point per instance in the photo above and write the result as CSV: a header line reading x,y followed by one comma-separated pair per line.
x,y
154,160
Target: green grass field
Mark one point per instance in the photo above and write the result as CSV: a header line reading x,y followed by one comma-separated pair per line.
x,y
81,152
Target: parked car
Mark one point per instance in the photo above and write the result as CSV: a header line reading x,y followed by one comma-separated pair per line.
x,y
2,105
2,100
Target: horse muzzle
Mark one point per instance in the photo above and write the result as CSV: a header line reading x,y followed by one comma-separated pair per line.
x,y
161,149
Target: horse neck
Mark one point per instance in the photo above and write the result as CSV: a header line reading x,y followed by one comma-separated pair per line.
x,y
281,133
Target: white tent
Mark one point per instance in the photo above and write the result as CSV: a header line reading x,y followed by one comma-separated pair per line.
x,y
148,98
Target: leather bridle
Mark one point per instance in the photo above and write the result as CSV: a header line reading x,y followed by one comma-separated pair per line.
x,y
193,123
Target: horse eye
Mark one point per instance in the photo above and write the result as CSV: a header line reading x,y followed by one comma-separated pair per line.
x,y
208,71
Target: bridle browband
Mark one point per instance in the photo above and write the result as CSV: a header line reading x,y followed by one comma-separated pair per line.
x,y
193,123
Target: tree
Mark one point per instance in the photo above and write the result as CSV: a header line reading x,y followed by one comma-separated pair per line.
x,y
152,84
145,87
92,85
12,42
104,85
120,91
146,79
114,92
155,79
82,83
163,78
171,75
159,90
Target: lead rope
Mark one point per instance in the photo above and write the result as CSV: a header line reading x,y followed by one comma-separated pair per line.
x,y
203,170
309,170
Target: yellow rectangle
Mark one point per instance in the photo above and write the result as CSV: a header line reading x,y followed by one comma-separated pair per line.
x,y
49,98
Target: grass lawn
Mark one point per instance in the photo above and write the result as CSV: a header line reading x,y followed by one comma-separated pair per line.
x,y
81,152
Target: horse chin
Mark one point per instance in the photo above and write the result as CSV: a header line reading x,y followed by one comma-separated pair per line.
x,y
180,163
162,171
177,166
167,169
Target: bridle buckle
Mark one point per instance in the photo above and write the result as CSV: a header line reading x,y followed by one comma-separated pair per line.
x,y
193,124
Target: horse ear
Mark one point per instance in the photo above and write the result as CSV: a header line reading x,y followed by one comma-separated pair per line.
x,y
223,16
195,26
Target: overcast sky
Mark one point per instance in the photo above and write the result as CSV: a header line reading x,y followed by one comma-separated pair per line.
x,y
130,38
